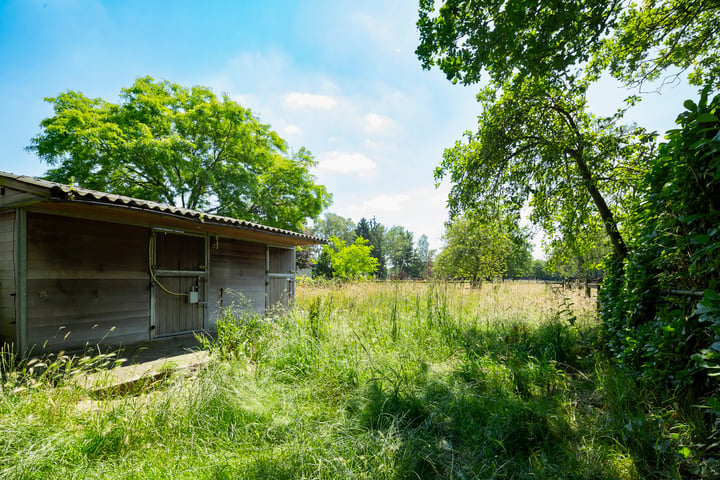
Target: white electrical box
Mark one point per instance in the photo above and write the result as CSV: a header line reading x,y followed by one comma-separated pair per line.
x,y
193,297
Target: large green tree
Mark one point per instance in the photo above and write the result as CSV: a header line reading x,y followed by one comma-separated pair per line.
x,y
350,261
536,141
474,249
181,146
400,252
632,41
374,233
537,145
519,261
333,225
425,257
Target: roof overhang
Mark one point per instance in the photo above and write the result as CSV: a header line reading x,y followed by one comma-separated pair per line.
x,y
50,197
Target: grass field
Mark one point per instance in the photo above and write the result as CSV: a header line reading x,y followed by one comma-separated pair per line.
x,y
376,381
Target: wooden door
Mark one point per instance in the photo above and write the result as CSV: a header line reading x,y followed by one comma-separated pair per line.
x,y
280,277
179,283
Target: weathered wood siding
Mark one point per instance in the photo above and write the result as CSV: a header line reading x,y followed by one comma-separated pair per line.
x,y
87,282
180,252
281,291
237,274
7,277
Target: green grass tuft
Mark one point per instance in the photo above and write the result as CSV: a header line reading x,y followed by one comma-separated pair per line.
x,y
374,381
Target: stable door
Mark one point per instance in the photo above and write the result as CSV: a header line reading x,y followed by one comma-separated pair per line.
x,y
179,283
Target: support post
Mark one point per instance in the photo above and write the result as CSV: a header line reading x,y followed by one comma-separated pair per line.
x,y
21,281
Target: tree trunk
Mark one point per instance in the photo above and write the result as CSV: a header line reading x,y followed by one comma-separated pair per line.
x,y
605,213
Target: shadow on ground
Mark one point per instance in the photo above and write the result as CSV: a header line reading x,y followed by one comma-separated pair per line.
x,y
150,351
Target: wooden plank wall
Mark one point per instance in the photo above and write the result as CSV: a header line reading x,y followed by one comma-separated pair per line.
x,y
236,267
87,282
7,277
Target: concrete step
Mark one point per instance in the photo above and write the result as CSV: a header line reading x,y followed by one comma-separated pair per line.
x,y
140,377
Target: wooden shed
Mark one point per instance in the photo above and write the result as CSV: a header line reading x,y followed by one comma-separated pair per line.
x,y
80,267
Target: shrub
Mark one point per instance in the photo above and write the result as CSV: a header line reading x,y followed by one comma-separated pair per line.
x,y
654,320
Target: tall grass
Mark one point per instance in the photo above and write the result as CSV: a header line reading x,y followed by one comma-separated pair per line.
x,y
377,381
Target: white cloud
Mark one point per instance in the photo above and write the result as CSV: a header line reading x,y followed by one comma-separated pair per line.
x,y
241,99
383,29
310,100
395,202
421,210
288,130
347,162
378,123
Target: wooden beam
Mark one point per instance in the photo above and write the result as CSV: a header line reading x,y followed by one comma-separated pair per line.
x,y
21,280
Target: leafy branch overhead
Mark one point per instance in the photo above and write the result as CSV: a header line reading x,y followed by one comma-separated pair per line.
x,y
181,146
537,144
535,140
634,42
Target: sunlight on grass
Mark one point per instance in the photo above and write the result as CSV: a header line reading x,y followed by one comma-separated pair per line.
x,y
368,380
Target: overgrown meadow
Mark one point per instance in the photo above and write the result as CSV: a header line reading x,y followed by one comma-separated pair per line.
x,y
369,380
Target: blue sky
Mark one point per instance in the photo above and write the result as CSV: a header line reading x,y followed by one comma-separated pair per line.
x,y
337,77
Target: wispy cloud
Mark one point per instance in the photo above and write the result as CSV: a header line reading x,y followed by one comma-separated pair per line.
x,y
289,130
375,122
310,100
346,163
420,210
396,202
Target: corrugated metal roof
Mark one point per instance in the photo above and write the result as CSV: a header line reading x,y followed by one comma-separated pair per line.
x,y
67,192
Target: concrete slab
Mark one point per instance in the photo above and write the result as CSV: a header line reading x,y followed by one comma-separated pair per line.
x,y
144,365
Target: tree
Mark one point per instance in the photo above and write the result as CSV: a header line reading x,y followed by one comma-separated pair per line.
x,y
635,42
473,249
350,262
400,251
519,261
652,37
181,146
540,57
586,266
332,225
374,233
424,256
539,272
536,144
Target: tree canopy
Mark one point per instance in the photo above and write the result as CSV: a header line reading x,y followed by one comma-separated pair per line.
x,y
404,259
181,146
350,262
374,232
394,248
474,249
535,141
536,144
333,225
634,42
